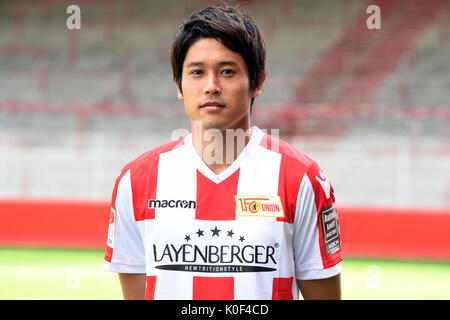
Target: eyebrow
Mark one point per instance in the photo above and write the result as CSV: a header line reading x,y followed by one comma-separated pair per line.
x,y
221,63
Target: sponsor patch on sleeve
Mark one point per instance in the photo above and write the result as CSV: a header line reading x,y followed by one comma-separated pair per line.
x,y
259,206
330,229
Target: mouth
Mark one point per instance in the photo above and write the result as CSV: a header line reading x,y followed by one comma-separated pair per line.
x,y
212,105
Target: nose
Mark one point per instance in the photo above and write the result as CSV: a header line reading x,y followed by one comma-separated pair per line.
x,y
212,85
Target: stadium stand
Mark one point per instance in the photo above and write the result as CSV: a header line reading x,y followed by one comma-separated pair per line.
x,y
371,106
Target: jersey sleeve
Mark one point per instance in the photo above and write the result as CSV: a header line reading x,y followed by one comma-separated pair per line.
x,y
124,248
316,239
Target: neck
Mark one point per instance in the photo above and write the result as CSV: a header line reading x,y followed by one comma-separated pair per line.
x,y
219,148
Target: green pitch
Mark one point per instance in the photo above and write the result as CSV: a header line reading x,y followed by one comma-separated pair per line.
x,y
79,274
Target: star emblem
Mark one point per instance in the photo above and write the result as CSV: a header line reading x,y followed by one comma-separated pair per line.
x,y
230,233
241,239
200,233
215,231
187,238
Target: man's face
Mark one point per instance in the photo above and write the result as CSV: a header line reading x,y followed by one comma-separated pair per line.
x,y
216,86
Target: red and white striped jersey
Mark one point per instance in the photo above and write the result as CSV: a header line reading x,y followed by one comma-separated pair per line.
x,y
246,233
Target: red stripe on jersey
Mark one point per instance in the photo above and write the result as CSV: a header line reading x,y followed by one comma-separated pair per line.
x,y
150,288
288,186
213,288
282,288
216,201
292,169
322,202
144,179
109,250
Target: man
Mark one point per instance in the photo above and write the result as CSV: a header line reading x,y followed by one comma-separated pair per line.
x,y
225,212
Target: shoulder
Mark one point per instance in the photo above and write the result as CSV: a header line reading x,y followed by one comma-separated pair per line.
x,y
297,172
291,157
295,166
150,159
153,154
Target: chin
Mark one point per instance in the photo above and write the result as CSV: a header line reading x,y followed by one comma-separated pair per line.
x,y
214,125
222,123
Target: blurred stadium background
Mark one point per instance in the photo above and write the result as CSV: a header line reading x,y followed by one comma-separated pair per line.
x,y
372,107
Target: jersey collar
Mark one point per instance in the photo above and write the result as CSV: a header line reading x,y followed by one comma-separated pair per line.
x,y
255,139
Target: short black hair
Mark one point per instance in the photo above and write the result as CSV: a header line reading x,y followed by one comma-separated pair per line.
x,y
236,30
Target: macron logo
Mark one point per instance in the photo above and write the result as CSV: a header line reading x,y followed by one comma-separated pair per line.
x,y
324,183
185,204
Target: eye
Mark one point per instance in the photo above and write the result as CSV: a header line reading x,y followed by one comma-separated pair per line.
x,y
228,71
196,72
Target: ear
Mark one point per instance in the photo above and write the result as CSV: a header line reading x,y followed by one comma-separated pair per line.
x,y
180,94
257,91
